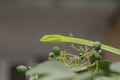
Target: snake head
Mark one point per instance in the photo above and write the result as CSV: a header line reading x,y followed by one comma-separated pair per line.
x,y
51,38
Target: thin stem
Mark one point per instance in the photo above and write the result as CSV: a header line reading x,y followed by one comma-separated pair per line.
x,y
75,48
96,63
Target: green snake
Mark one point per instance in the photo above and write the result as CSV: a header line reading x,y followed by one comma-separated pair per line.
x,y
59,38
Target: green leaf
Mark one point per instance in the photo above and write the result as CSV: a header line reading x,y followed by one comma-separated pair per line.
x,y
115,67
103,68
61,76
79,69
53,70
107,78
83,76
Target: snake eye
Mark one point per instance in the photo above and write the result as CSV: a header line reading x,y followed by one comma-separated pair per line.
x,y
51,36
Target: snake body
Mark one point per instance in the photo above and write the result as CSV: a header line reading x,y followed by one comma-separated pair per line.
x,y
59,38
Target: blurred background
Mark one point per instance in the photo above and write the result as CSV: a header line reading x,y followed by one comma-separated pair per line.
x,y
24,22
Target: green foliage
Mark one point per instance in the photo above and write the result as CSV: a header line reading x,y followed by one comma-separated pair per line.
x,y
115,67
103,68
55,70
62,65
52,70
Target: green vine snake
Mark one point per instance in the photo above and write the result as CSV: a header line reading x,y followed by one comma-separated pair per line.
x,y
59,38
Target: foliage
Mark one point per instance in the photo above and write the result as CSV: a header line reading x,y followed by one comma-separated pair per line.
x,y
62,65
